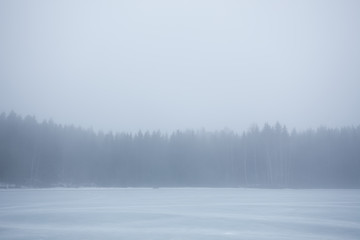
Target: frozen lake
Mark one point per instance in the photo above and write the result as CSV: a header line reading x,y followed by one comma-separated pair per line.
x,y
182,213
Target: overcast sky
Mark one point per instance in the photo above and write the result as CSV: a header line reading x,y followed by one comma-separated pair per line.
x,y
167,65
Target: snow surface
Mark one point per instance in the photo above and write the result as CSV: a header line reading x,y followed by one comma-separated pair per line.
x,y
179,213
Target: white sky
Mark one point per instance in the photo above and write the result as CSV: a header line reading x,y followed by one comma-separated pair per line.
x,y
167,65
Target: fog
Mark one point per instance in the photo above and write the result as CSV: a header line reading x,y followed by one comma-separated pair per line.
x,y
179,119
168,65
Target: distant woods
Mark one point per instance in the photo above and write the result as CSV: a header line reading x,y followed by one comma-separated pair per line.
x,y
46,154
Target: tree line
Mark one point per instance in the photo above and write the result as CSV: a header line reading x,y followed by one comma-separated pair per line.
x,y
46,154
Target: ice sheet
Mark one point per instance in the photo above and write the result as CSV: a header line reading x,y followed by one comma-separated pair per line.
x,y
179,213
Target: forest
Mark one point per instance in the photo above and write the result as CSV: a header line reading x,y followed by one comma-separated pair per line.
x,y
46,154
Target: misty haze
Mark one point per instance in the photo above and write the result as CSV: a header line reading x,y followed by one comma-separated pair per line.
x,y
179,119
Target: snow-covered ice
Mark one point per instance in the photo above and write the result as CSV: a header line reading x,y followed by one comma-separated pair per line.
x,y
179,213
